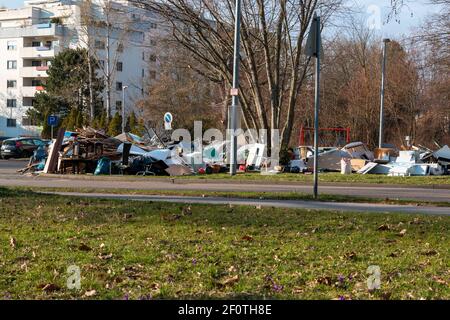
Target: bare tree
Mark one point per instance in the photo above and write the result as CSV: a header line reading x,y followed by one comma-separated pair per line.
x,y
105,28
431,47
274,67
181,89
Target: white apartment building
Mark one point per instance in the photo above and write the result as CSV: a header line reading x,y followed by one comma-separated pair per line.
x,y
31,36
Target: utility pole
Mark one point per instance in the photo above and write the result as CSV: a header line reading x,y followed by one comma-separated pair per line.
x,y
124,121
383,80
235,89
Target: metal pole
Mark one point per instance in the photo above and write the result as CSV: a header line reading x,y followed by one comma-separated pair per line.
x,y
123,109
316,111
51,133
383,78
235,101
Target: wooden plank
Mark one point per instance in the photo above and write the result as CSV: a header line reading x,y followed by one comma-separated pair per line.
x,y
52,160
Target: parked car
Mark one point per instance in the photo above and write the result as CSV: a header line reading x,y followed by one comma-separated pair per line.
x,y
20,147
3,139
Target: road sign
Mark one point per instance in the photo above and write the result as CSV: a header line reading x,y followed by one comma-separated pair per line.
x,y
312,47
52,121
168,118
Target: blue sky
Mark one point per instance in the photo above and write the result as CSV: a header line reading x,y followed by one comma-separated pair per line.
x,y
412,15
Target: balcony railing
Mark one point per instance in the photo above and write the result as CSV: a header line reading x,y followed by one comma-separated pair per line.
x,y
33,72
30,91
39,52
40,30
42,68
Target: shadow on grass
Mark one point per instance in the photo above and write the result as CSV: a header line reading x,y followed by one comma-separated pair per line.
x,y
16,193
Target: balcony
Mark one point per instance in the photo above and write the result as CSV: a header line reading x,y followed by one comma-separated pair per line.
x,y
33,72
38,30
30,91
39,52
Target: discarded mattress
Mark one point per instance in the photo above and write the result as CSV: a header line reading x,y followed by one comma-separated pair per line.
x,y
330,160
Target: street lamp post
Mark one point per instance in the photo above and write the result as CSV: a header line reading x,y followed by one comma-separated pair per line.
x,y
124,120
235,90
383,80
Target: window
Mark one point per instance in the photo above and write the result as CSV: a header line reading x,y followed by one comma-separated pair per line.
x,y
153,42
36,83
119,86
153,25
152,74
143,73
143,56
99,44
153,57
118,105
120,47
119,66
11,123
36,63
11,45
11,83
36,44
11,103
12,64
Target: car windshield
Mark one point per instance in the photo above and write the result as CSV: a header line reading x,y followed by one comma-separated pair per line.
x,y
39,142
9,143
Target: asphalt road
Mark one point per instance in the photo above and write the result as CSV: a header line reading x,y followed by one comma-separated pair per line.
x,y
12,165
9,177
311,205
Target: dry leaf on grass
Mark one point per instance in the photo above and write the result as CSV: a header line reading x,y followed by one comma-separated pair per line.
x,y
90,293
384,227
350,255
50,287
105,256
430,253
12,242
229,281
84,247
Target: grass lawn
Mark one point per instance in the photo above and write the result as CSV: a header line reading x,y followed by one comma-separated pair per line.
x,y
159,250
332,177
291,178
244,195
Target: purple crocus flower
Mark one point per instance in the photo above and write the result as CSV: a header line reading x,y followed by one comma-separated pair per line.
x,y
277,287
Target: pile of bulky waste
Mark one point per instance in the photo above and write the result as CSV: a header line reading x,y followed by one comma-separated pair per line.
x,y
357,158
91,151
